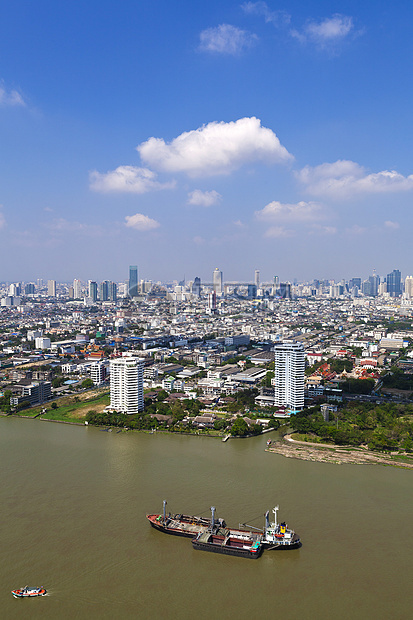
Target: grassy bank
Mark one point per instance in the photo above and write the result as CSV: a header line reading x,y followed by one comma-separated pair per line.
x,y
71,408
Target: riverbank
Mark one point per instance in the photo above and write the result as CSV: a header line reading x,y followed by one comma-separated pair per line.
x,y
339,455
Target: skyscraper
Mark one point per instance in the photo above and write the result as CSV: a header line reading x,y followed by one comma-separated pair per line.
x,y
51,288
104,291
217,280
257,279
196,287
77,289
113,291
93,290
394,283
126,384
133,281
408,287
289,365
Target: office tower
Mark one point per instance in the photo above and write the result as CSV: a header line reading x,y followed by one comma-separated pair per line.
x,y
113,291
285,290
275,285
14,290
71,292
394,283
51,288
126,384
77,289
354,282
217,281
104,291
29,289
93,290
289,365
196,287
133,281
257,279
252,291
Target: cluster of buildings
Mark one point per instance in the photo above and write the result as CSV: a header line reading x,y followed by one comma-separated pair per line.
x,y
130,331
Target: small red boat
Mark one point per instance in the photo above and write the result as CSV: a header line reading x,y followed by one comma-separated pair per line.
x,y
27,592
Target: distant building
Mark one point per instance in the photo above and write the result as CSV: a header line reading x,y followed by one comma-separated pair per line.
x,y
196,287
133,281
29,289
77,289
285,290
289,365
104,291
42,343
51,288
394,283
93,290
408,287
212,303
113,291
257,279
252,291
126,384
218,282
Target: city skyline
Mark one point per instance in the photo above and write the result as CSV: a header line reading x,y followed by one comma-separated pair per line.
x,y
234,134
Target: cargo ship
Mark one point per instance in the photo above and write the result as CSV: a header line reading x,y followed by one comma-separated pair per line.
x,y
180,524
240,543
209,533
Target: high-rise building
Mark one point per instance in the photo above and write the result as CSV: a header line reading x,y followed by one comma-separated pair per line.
x,y
77,289
93,290
394,283
126,384
252,291
217,281
104,291
212,303
257,279
98,373
51,288
29,289
408,287
133,281
196,287
113,291
289,365
285,290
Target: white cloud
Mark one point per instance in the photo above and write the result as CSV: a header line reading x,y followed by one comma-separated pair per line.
x,y
141,222
127,179
61,225
343,179
215,148
203,199
323,230
392,225
356,230
299,212
326,32
277,232
199,240
10,98
262,9
225,39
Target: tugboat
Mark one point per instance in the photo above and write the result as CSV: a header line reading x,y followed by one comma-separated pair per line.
x,y
277,535
229,542
180,524
27,592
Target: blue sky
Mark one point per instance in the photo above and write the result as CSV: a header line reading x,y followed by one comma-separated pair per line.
x,y
185,136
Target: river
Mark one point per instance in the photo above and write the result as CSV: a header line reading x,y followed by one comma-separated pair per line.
x,y
73,503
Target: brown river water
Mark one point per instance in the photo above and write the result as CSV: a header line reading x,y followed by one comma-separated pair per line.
x,y
72,518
